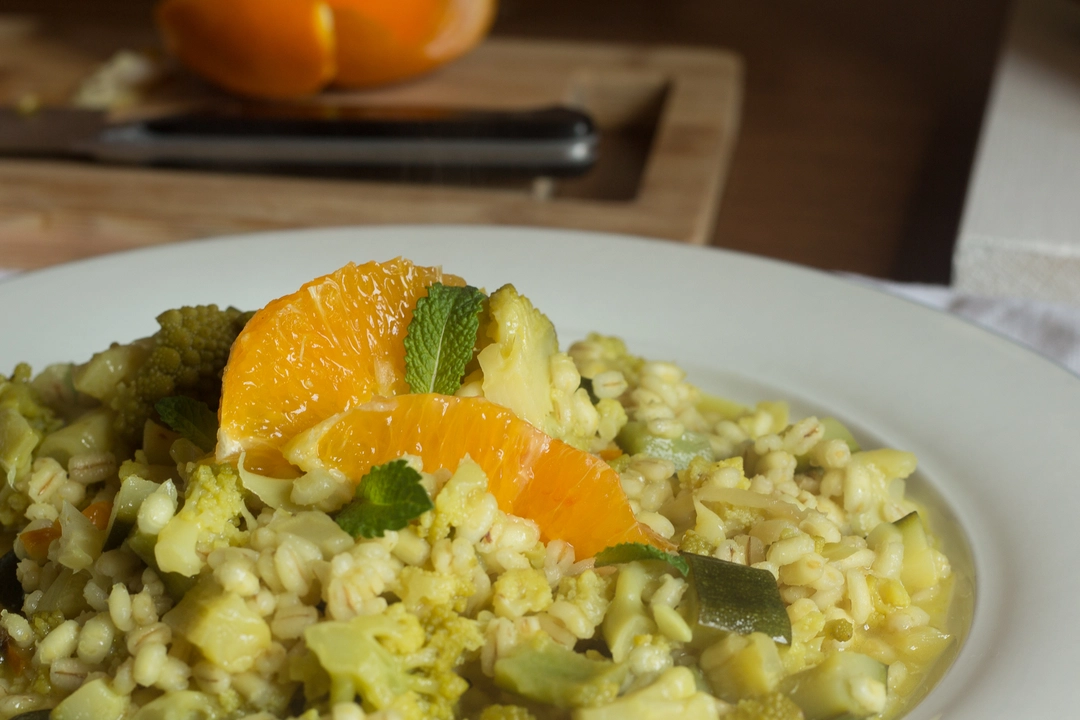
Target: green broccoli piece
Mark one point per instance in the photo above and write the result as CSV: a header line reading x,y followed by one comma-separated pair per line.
x,y
210,519
188,355
396,660
774,706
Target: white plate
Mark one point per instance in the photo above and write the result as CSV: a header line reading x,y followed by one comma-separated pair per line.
x,y
996,428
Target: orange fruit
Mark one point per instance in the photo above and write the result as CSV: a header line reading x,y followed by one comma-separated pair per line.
x,y
570,494
291,48
381,41
332,345
265,48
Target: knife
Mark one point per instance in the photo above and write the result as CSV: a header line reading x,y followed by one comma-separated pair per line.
x,y
553,140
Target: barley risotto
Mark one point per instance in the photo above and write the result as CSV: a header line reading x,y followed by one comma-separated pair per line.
x,y
391,495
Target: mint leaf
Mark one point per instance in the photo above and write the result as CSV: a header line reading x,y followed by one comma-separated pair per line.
x,y
191,418
388,497
631,552
440,339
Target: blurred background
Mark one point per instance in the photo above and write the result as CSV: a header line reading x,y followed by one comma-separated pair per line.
x,y
855,130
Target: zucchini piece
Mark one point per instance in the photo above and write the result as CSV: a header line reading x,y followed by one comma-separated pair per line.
x,y
919,570
547,672
736,598
634,438
846,686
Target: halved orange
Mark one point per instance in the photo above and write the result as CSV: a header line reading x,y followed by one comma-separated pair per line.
x,y
570,494
332,345
266,48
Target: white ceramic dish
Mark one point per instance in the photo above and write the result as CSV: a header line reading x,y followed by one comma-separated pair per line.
x,y
995,426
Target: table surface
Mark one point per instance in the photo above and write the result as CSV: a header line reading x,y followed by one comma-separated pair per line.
x,y
860,121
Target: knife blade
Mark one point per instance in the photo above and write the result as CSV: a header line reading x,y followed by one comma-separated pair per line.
x,y
555,140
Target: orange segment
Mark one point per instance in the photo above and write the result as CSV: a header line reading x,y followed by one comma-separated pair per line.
x,y
330,346
570,494
381,41
265,48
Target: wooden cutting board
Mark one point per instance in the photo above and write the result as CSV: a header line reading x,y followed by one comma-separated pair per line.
x,y
668,118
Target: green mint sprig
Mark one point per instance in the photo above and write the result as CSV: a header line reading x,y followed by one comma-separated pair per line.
x,y
388,497
632,552
440,339
191,418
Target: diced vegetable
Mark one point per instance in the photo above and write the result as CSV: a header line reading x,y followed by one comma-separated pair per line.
x,y
98,377
846,686
181,705
17,443
673,695
93,701
125,512
635,438
919,570
221,625
743,666
733,597
547,672
92,432
80,540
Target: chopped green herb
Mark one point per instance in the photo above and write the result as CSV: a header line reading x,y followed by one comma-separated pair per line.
x,y
441,337
191,418
388,497
631,552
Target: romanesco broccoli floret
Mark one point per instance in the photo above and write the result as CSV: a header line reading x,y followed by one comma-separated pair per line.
x,y
209,519
774,706
189,353
397,661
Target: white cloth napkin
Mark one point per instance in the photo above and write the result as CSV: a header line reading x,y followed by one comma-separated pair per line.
x,y
1052,329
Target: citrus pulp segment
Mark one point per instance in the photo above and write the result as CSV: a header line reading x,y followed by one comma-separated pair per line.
x,y
570,494
330,346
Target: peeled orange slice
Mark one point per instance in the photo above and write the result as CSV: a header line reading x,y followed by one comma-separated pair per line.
x,y
332,345
265,48
570,494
